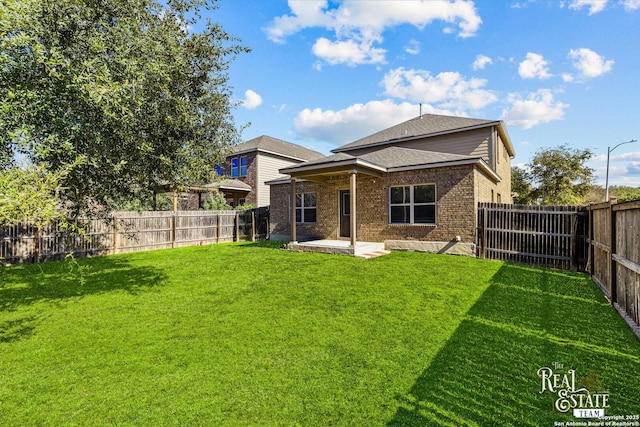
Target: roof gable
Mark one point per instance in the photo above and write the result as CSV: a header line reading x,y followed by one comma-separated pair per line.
x,y
423,126
277,146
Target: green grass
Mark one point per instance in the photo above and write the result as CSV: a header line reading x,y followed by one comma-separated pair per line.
x,y
247,334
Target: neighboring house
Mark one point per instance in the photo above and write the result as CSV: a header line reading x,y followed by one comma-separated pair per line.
x,y
415,185
255,162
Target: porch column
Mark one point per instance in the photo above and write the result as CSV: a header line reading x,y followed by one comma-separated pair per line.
x,y
352,207
294,238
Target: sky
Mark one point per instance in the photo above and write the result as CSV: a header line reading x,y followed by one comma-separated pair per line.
x,y
322,73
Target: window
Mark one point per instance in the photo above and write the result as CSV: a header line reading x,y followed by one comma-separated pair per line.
x,y
243,166
219,170
412,204
234,167
305,208
242,202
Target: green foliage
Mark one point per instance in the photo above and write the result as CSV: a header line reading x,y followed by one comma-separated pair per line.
x,y
282,338
246,207
521,188
625,194
216,202
129,86
30,194
557,176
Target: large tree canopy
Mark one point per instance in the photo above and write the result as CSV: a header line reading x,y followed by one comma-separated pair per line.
x,y
555,176
129,92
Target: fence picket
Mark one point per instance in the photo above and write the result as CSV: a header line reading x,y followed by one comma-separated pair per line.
x,y
130,232
538,235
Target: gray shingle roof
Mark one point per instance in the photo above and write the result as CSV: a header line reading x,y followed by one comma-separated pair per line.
x,y
395,157
277,146
426,125
384,159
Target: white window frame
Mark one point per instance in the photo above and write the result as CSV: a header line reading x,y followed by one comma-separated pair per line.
x,y
242,169
304,208
235,170
411,203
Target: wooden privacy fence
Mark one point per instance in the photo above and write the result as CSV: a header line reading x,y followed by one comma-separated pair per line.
x,y
547,236
131,232
614,256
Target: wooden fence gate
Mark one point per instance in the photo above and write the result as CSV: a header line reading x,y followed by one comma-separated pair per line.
x,y
546,236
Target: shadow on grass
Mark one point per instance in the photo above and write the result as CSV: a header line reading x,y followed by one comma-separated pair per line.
x,y
26,285
528,318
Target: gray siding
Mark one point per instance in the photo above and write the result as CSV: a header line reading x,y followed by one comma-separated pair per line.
x,y
475,143
268,167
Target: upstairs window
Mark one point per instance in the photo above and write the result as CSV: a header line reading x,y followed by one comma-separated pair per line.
x,y
234,167
243,166
412,204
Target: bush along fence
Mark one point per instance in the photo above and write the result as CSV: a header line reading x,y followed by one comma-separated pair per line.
x,y
546,236
131,232
614,256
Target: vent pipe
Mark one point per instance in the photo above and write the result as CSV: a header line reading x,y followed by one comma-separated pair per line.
x,y
421,110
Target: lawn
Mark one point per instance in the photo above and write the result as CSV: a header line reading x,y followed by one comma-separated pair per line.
x,y
248,334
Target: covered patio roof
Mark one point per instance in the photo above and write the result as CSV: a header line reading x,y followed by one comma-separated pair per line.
x,y
390,159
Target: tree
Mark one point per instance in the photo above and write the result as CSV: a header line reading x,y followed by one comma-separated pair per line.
x,y
520,187
625,193
30,195
126,91
558,176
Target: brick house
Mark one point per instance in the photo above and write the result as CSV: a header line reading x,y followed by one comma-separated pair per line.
x,y
254,162
415,185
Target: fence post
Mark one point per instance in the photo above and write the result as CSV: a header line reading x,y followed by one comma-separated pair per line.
x,y
613,277
115,235
591,247
483,249
237,221
173,228
36,244
253,226
573,242
218,230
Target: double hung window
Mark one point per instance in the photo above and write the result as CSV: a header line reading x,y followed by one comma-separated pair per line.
x,y
412,204
234,167
305,208
239,166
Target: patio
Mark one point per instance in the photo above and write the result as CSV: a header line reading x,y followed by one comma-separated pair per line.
x,y
343,247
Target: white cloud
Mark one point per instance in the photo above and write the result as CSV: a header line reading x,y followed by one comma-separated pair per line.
x,y
589,63
359,24
633,168
594,6
567,77
538,107
342,126
413,47
481,62
350,52
631,4
447,90
535,66
632,156
251,100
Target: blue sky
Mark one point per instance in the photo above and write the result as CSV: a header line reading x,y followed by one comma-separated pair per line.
x,y
324,73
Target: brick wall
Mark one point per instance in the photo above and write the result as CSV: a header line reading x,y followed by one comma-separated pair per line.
x,y
455,208
251,177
